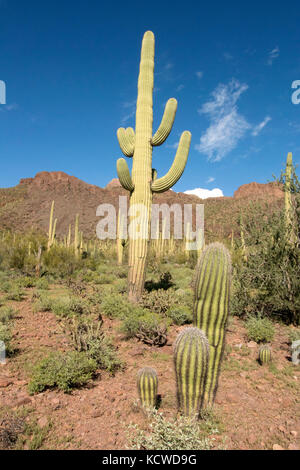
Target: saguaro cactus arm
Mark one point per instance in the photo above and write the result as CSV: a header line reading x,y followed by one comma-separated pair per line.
x,y
124,175
126,138
166,123
166,182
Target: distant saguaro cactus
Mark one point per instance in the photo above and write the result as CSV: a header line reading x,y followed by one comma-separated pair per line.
x,y
191,353
143,181
211,305
147,384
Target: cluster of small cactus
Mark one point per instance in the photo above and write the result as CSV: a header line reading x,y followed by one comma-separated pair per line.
x,y
198,350
143,181
265,354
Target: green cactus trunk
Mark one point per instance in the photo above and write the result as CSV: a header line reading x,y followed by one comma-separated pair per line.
x,y
191,353
147,384
265,355
211,306
142,183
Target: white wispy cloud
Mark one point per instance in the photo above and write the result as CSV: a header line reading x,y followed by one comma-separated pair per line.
x,y
199,74
169,66
227,56
257,129
227,125
211,179
180,87
205,193
273,55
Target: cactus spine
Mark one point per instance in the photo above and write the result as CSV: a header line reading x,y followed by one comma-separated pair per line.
x,y
147,384
212,290
191,353
265,354
142,182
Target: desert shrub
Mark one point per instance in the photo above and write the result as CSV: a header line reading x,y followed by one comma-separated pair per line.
x,y
146,326
180,314
178,434
6,314
88,336
42,283
158,301
11,426
116,306
62,306
269,281
121,286
63,371
43,303
61,261
16,293
165,282
294,335
259,329
27,281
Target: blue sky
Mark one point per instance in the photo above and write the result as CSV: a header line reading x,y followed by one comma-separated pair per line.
x,y
71,72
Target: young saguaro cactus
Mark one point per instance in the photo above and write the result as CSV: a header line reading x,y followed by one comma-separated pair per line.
x,y
143,181
211,306
191,353
265,354
147,384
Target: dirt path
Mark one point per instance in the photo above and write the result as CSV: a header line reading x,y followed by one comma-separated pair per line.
x,y
258,407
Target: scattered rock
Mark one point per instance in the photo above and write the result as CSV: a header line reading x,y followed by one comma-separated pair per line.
x,y
5,383
293,447
43,421
277,447
23,401
251,344
294,433
139,351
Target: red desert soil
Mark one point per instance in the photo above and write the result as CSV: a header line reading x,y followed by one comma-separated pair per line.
x,y
257,408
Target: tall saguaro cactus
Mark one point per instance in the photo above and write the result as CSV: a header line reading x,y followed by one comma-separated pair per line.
x,y
212,291
143,181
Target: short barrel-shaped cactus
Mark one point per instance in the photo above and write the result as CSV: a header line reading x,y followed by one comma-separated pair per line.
x,y
211,306
265,354
191,352
147,383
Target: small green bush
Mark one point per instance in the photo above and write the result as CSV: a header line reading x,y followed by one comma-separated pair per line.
x,y
63,371
158,301
146,326
260,329
6,314
179,434
16,294
88,336
116,306
180,314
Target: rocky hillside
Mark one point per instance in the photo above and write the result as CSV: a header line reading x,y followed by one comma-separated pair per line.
x,y
27,205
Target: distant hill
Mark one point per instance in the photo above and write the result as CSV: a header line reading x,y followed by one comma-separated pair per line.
x,y
27,205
